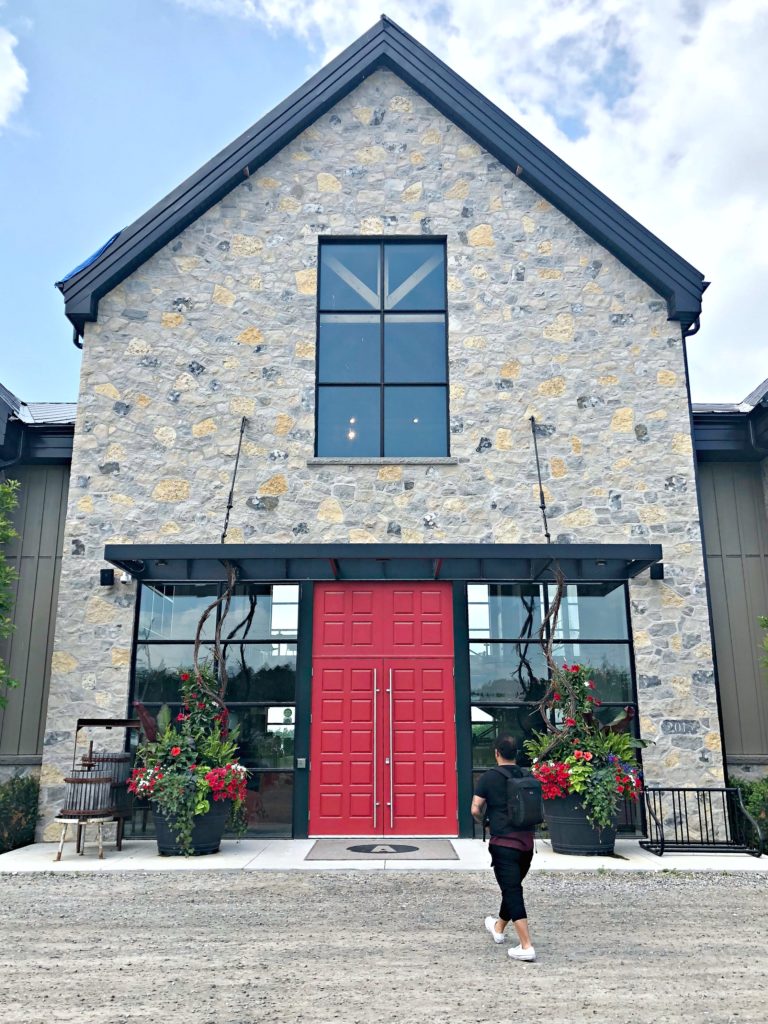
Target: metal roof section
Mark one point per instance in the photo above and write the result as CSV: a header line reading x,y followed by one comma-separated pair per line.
x,y
759,396
47,413
387,46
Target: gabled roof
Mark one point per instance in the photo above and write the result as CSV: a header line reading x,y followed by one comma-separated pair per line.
x,y
386,45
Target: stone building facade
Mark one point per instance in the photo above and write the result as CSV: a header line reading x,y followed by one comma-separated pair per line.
x,y
543,321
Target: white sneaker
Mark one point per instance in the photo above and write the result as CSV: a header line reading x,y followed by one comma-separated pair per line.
x,y
518,953
490,924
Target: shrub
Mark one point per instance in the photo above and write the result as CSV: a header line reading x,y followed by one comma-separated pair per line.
x,y
755,797
18,812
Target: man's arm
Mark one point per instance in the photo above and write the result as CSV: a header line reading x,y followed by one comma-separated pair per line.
x,y
478,809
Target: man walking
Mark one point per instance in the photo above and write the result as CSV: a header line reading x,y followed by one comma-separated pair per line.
x,y
511,849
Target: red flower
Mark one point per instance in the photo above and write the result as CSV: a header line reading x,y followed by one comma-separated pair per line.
x,y
184,677
175,751
590,684
192,767
590,698
578,754
587,755
570,721
596,702
556,696
181,717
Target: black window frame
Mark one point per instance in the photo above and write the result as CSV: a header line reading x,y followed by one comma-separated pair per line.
x,y
382,313
257,640
631,814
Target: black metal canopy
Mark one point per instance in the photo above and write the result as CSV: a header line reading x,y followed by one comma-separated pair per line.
x,y
176,563
386,45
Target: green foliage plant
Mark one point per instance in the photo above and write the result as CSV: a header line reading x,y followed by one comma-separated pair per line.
x,y
8,576
18,812
754,793
187,763
578,753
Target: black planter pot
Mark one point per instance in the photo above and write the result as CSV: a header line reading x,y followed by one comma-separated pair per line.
x,y
207,831
570,831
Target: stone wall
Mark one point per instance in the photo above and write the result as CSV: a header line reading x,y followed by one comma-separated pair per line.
x,y
543,321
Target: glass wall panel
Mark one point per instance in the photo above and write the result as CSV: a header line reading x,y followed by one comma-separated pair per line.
x,y
415,421
610,664
415,350
258,613
260,658
158,667
265,735
489,722
507,671
349,350
350,277
171,611
348,421
269,804
414,276
588,613
261,672
504,611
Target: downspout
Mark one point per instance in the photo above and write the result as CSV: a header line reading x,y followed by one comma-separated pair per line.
x,y
686,333
76,339
17,456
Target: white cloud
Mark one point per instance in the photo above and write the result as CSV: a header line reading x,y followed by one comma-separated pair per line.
x,y
13,78
660,104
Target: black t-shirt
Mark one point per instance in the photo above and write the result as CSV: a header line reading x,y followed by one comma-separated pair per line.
x,y
492,787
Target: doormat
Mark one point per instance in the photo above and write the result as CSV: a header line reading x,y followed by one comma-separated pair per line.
x,y
382,849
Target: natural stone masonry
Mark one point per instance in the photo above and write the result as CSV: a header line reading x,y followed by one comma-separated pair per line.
x,y
543,321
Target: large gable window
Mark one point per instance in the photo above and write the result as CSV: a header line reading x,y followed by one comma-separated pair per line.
x,y
382,360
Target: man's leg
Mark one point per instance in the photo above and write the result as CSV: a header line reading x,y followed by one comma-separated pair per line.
x,y
510,867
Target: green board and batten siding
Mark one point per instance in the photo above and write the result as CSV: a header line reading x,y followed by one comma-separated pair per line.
x,y
736,535
36,556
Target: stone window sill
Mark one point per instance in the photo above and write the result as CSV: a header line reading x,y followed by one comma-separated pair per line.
x,y
387,460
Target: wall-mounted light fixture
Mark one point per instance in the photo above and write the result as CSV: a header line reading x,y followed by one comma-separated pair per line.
x,y
107,578
657,571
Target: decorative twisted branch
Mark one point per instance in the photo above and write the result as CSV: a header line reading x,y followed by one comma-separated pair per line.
x,y
558,680
224,599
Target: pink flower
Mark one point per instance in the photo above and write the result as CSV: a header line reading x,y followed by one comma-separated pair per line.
x,y
175,751
570,721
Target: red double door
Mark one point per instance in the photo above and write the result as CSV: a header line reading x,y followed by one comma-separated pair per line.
x,y
383,736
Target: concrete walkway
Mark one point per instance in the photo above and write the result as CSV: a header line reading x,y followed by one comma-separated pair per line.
x,y
289,854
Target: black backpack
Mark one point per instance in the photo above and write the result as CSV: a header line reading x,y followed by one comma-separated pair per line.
x,y
525,807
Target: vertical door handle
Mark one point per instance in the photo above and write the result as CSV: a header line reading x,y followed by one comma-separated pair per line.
x,y
391,761
375,744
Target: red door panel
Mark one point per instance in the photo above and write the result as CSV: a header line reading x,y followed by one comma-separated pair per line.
x,y
383,620
422,772
383,742
341,791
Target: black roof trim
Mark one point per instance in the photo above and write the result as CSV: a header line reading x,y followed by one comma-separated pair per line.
x,y
608,564
386,45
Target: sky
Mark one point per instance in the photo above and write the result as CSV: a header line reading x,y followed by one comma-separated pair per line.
x,y
106,105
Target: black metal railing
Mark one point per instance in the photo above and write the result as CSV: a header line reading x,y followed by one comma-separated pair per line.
x,y
699,820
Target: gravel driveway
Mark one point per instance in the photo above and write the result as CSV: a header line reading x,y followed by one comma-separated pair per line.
x,y
384,947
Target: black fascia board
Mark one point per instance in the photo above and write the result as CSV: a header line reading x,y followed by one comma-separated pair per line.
x,y
48,444
599,563
387,45
723,436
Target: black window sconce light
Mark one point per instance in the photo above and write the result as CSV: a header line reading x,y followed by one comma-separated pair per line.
x,y
107,578
657,571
